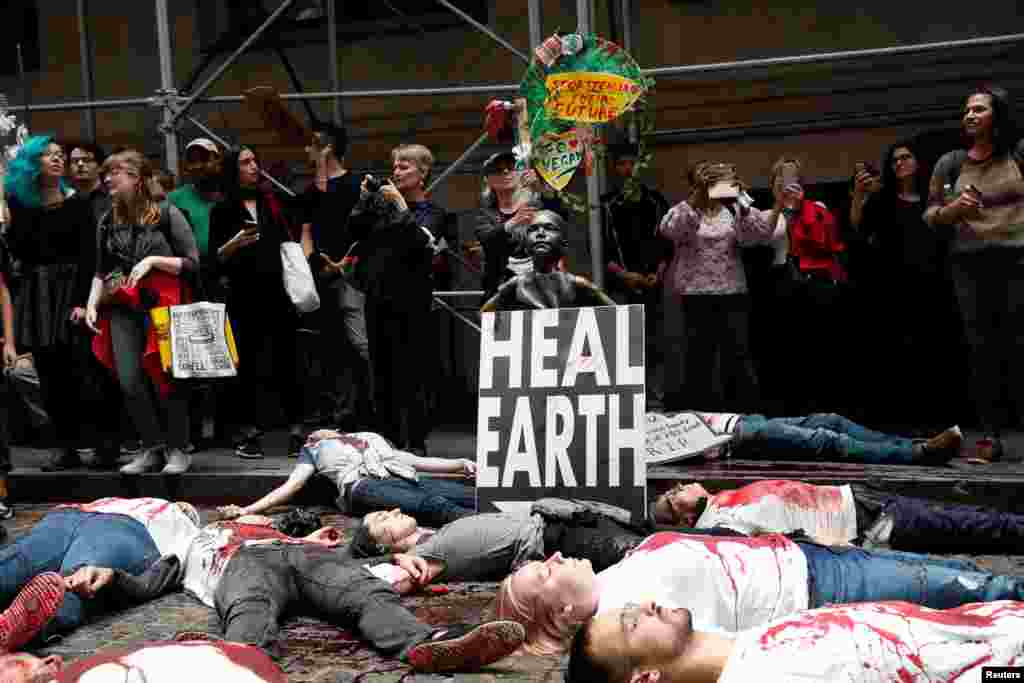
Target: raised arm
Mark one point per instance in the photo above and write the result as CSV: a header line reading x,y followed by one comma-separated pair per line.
x,y
279,496
679,223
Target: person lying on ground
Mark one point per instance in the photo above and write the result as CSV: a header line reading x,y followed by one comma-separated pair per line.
x,y
880,641
836,515
122,538
735,583
489,546
152,662
253,575
371,474
827,436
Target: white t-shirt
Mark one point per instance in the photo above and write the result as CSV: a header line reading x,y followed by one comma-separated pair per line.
x,y
728,583
212,549
888,641
171,529
826,513
170,662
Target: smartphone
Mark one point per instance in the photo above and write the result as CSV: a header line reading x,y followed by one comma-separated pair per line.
x,y
789,176
252,226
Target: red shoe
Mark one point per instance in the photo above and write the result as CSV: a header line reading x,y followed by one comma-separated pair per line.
x,y
30,610
466,648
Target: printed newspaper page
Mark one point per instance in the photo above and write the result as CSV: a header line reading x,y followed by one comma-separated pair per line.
x,y
199,342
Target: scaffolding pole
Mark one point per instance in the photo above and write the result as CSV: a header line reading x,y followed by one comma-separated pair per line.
x,y
454,166
332,48
584,19
486,31
626,16
183,107
85,49
163,33
536,23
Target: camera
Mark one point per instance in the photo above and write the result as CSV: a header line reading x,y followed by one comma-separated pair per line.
x,y
374,184
745,200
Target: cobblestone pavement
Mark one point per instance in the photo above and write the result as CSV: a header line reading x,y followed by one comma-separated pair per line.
x,y
316,652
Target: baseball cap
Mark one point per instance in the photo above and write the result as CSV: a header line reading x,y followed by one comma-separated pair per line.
x,y
205,143
493,160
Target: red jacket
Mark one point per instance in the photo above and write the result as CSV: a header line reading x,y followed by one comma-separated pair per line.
x,y
814,241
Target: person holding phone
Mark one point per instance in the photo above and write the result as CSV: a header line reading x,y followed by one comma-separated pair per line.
x,y
247,230
709,287
397,225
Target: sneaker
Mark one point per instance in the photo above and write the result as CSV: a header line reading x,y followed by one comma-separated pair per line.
x,y
131,448
466,648
251,448
61,459
178,461
151,460
6,510
32,608
942,447
295,444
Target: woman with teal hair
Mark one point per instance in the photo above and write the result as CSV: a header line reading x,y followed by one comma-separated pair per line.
x,y
53,235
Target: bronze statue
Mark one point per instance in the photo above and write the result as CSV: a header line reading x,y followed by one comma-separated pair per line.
x,y
545,286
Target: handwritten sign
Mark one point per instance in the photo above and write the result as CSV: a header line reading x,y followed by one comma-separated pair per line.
x,y
556,157
561,408
680,436
590,97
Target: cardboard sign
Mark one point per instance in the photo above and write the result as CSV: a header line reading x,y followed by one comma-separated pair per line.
x,y
590,97
679,436
556,157
561,408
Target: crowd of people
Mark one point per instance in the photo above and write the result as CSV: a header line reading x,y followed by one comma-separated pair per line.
x,y
780,578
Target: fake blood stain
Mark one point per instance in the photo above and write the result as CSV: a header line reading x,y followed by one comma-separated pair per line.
x,y
796,493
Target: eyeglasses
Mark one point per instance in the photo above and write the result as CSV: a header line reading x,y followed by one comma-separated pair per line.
x,y
500,170
121,171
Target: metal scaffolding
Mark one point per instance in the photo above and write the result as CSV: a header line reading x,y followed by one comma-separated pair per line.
x,y
176,106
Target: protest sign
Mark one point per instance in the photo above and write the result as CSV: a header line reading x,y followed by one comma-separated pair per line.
x,y
680,436
561,408
200,341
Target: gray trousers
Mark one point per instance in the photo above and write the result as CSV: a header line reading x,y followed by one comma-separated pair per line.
x,y
128,335
264,582
345,320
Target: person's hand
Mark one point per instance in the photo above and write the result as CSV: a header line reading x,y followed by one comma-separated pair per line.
x,y
468,468
416,567
651,280
91,317
88,581
328,536
391,193
10,354
140,271
967,204
77,315
246,236
865,183
230,511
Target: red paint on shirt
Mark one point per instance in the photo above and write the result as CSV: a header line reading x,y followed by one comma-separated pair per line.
x,y
797,493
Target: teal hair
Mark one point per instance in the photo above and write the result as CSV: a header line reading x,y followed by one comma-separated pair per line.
x,y
22,181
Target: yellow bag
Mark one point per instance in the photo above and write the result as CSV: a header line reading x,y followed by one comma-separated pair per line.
x,y
161,317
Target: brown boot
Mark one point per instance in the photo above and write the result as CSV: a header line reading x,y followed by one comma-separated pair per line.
x,y
941,448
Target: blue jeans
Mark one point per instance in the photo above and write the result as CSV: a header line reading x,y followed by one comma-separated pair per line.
x,y
433,502
840,576
66,540
821,436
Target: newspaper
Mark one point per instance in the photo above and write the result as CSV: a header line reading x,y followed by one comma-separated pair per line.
x,y
199,341
681,436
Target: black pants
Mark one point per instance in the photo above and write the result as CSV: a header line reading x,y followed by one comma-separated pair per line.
x,y
401,360
990,290
931,526
715,325
265,328
262,583
56,368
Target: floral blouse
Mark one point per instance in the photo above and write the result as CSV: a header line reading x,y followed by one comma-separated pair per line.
x,y
707,258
